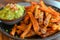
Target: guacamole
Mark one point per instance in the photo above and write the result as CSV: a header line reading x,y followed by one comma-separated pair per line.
x,y
11,12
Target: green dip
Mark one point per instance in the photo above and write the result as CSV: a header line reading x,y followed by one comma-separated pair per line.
x,y
11,12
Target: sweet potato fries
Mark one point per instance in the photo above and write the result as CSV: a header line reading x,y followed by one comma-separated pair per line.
x,y
40,20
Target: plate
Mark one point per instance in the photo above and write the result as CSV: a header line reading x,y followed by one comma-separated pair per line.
x,y
4,27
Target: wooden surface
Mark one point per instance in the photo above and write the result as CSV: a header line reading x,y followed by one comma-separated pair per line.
x,y
2,36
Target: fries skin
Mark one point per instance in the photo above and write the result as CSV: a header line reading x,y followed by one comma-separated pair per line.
x,y
40,20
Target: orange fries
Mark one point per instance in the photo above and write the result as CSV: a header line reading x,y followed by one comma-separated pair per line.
x,y
13,30
34,21
26,31
40,20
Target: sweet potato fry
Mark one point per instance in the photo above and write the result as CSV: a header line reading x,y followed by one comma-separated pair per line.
x,y
42,4
50,32
46,23
47,20
49,8
19,32
46,10
56,19
26,31
22,27
31,8
54,27
31,33
26,18
54,11
39,33
13,30
49,11
47,33
34,22
59,27
37,11
41,16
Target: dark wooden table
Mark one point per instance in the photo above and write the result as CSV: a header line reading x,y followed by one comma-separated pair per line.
x,y
4,37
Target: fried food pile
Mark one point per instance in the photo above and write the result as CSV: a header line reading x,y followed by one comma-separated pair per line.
x,y
40,20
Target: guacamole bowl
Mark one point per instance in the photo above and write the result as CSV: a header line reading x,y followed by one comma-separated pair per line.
x,y
12,13
11,22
